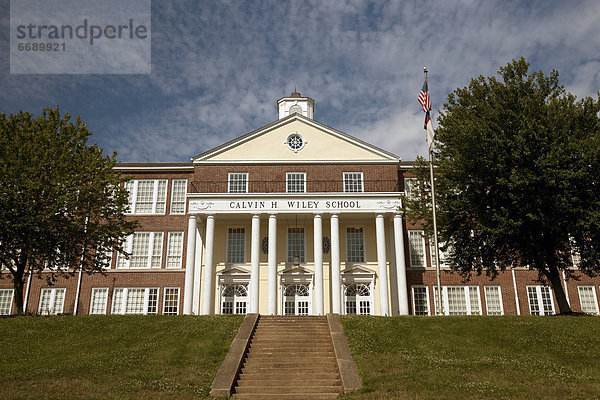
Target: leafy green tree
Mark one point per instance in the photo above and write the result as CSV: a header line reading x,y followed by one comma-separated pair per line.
x,y
61,201
517,163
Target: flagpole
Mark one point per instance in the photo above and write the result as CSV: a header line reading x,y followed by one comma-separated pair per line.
x,y
439,310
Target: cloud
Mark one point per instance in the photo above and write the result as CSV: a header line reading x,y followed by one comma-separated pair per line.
x,y
219,67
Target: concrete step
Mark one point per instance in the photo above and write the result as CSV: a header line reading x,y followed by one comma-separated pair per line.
x,y
290,389
298,368
268,374
286,396
298,381
290,362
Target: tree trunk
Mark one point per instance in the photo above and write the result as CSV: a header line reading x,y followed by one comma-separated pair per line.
x,y
559,291
18,285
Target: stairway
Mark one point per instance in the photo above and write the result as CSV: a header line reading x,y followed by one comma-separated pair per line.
x,y
290,357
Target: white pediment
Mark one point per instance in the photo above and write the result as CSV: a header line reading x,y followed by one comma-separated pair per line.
x,y
296,270
234,271
358,270
296,139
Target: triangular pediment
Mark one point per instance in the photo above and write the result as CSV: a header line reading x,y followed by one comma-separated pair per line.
x,y
233,271
317,143
296,270
358,270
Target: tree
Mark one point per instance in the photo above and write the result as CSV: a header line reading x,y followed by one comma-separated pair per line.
x,y
517,177
61,202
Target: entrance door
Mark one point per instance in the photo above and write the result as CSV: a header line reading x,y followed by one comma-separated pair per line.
x,y
234,299
297,299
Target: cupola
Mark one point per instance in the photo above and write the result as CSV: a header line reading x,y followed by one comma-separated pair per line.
x,y
295,104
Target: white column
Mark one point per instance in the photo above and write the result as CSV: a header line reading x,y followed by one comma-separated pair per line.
x,y
335,265
190,258
318,247
382,266
272,264
198,268
400,265
207,289
254,263
393,275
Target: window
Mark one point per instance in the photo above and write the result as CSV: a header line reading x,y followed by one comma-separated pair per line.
x,y
353,182
416,248
174,249
295,245
411,187
234,299
135,301
171,301
493,300
236,246
420,300
147,196
145,249
98,301
587,298
295,182
52,301
238,182
460,300
355,245
178,190
358,298
540,300
443,254
6,299
295,141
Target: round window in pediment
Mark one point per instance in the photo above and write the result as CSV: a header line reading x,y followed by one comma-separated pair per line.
x,y
295,142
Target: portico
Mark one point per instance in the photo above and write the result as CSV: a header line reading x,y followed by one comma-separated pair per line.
x,y
288,272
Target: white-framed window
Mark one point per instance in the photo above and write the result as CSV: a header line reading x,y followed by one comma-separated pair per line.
x,y
353,182
171,301
411,187
178,192
174,249
493,300
540,300
355,245
442,254
6,300
420,300
460,300
52,301
98,301
237,182
135,301
358,299
234,298
147,196
295,245
588,300
295,182
416,241
236,246
145,249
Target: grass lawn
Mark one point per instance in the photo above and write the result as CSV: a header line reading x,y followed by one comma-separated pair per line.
x,y
112,356
507,357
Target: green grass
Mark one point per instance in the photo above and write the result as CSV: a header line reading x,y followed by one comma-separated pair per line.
x,y
476,357
112,357
151,357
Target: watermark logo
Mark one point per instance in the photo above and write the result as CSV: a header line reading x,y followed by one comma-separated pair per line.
x,y
80,37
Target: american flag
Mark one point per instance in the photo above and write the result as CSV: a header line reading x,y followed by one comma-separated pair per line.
x,y
425,102
424,99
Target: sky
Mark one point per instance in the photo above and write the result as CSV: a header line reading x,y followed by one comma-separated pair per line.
x,y
218,68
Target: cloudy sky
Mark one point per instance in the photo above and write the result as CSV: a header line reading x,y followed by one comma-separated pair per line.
x,y
218,68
